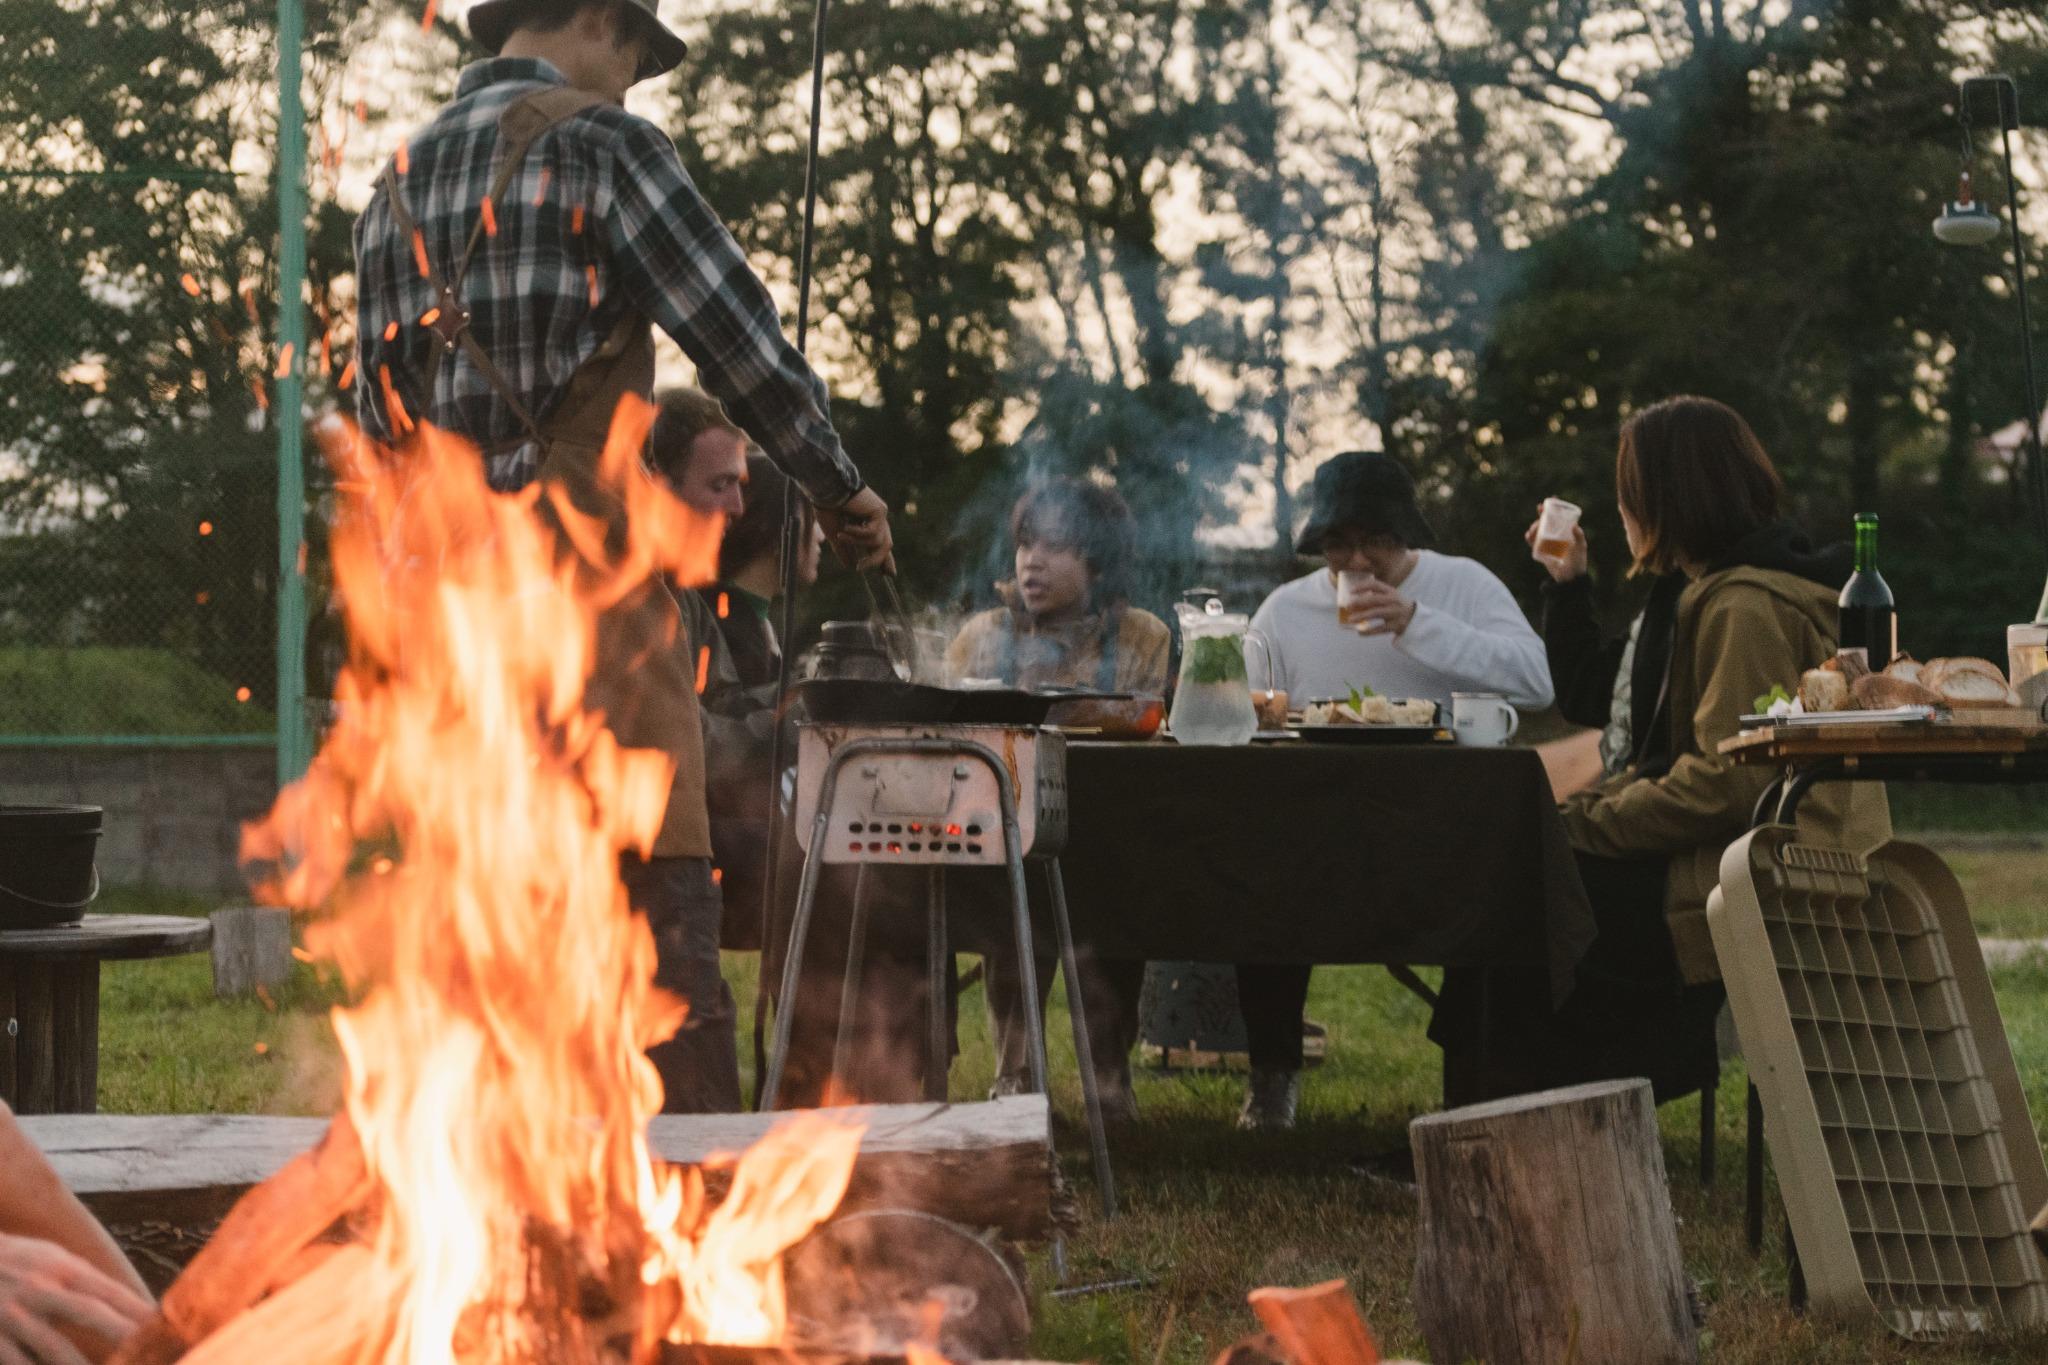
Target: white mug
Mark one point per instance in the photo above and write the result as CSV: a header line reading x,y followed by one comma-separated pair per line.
x,y
1483,720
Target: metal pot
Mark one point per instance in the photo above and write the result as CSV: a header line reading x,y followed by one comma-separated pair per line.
x,y
848,649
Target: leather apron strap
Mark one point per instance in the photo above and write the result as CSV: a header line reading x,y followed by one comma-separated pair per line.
x,y
640,681
521,125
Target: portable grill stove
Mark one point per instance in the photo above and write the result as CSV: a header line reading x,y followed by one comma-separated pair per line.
x,y
933,806
938,796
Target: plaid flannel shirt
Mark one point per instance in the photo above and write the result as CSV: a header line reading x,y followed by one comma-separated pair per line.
x,y
601,218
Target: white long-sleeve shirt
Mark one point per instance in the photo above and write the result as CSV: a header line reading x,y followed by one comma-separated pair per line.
x,y
1468,635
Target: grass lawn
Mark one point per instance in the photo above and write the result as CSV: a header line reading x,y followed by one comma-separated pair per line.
x,y
1209,1213
105,690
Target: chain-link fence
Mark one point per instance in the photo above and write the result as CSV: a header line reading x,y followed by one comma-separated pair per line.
x,y
138,287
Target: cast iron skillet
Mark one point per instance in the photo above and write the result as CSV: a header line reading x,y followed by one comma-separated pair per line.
x,y
872,701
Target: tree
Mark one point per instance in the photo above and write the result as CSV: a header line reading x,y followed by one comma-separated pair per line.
x,y
137,323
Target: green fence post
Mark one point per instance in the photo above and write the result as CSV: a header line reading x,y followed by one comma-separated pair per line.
x,y
294,742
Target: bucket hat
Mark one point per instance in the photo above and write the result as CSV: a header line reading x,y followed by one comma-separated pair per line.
x,y
490,23
1363,490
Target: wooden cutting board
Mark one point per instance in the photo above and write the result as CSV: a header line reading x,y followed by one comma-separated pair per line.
x,y
2008,731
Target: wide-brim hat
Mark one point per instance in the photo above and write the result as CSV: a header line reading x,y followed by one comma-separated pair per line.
x,y
1368,491
490,23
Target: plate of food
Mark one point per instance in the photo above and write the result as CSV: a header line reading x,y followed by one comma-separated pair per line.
x,y
1365,717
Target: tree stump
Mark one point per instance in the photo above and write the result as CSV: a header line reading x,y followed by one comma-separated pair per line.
x,y
1546,1232
252,947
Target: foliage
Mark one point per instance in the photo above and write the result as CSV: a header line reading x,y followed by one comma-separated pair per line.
x,y
1214,659
114,690
137,328
1757,233
1183,247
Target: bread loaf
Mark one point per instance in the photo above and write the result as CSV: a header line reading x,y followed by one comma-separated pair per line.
x,y
1904,666
1882,691
1824,689
1969,682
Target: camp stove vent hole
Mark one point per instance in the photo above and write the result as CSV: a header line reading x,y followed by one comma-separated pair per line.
x,y
941,838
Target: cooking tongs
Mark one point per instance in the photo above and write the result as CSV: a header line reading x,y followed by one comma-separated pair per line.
x,y
892,623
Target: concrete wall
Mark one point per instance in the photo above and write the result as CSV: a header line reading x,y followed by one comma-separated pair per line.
x,y
173,813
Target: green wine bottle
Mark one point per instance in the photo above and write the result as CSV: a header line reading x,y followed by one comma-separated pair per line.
x,y
1868,618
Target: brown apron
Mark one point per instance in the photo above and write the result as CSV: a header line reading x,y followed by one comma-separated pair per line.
x,y
642,684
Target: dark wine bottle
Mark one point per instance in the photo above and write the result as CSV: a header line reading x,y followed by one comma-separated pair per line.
x,y
1869,621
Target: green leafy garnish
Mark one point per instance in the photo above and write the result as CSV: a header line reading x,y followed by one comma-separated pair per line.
x,y
1358,696
1769,699
1216,659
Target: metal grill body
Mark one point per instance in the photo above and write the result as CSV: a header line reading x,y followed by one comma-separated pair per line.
x,y
928,807
938,796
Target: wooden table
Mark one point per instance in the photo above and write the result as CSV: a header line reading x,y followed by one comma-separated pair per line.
x,y
50,1002
2011,752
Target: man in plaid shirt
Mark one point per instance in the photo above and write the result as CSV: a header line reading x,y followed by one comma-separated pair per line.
x,y
600,219
508,299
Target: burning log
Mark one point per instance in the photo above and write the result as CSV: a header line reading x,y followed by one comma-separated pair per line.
x,y
1320,1325
494,1193
984,1166
259,1245
267,1230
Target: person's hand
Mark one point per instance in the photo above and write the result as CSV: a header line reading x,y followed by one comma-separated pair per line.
x,y
859,531
1378,609
57,1310
1573,565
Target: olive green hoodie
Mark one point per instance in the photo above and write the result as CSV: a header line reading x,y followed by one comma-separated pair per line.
x,y
1740,631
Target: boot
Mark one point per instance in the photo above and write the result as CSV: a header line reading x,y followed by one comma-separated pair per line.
x,y
1119,1098
1270,1099
1009,1083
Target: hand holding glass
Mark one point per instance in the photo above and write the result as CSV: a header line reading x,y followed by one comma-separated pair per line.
x,y
1554,528
1352,585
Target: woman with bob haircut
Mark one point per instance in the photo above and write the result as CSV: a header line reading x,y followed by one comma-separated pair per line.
x,y
1739,602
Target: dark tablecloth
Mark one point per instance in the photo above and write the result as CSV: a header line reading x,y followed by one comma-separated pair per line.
x,y
1302,852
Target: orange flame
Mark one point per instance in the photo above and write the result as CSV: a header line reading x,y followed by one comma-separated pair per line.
x,y
501,991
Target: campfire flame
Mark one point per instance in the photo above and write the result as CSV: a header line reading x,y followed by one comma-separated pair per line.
x,y
459,835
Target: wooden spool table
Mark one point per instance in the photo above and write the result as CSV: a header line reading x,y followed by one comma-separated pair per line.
x,y
50,1002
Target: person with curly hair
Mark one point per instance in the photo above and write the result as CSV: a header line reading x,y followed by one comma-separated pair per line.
x,y
1066,619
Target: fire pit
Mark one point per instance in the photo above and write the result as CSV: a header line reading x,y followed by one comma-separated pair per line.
x,y
488,1193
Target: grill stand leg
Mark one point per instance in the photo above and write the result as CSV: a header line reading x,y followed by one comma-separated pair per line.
x,y
938,1059
1027,967
1084,1051
850,984
1020,901
799,933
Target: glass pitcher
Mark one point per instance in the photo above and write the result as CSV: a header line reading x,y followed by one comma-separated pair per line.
x,y
1213,702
